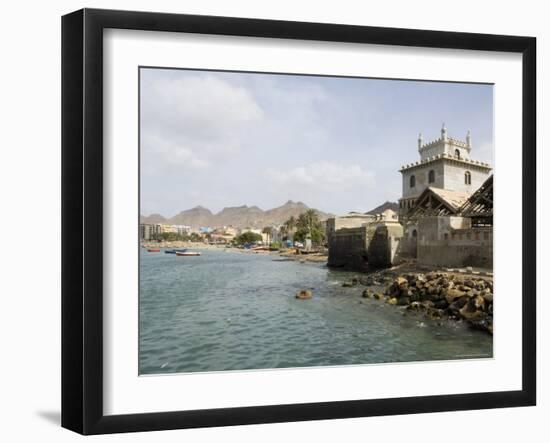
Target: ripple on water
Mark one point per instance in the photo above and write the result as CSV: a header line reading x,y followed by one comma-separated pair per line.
x,y
238,311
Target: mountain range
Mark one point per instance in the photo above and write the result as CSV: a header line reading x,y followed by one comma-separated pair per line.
x,y
237,216
387,205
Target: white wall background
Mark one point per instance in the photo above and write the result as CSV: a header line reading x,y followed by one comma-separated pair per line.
x,y
30,218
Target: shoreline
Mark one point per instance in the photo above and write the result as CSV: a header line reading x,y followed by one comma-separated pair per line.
x,y
438,295
288,254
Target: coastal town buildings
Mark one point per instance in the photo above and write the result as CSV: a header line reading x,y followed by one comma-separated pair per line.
x,y
445,215
149,231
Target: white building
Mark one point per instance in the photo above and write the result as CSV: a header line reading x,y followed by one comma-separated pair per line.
x,y
444,163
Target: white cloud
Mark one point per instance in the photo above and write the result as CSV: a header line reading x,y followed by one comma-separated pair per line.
x,y
191,121
160,155
324,175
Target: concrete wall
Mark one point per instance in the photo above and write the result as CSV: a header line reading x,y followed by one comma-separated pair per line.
x,y
408,244
347,248
374,244
384,245
451,241
347,221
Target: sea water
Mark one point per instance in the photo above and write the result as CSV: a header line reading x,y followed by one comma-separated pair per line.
x,y
228,310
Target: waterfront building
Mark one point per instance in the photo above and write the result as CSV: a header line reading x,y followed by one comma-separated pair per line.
x,y
445,215
451,236
149,231
350,220
445,164
181,229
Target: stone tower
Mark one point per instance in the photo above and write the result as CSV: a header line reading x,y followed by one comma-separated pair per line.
x,y
444,163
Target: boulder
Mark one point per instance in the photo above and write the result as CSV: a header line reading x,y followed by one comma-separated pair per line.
x,y
403,301
427,304
440,304
400,281
453,294
369,281
304,294
378,296
431,276
479,302
433,313
470,312
455,307
392,301
415,306
368,293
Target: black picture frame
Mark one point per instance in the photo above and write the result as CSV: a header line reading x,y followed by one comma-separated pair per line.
x,y
82,216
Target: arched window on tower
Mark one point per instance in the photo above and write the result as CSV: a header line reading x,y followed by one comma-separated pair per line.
x,y
413,181
431,176
457,153
467,178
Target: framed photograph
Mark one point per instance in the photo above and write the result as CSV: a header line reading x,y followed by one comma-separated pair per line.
x,y
269,221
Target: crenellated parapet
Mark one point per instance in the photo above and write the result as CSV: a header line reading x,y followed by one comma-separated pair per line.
x,y
450,141
448,157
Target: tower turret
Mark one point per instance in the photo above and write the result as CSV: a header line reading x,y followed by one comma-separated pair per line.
x,y
443,132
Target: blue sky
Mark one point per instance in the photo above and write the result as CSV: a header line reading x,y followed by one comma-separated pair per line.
x,y
221,139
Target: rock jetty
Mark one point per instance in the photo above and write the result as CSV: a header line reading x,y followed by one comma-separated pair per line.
x,y
441,295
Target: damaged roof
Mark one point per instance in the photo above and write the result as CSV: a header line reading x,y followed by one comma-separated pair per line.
x,y
480,204
436,201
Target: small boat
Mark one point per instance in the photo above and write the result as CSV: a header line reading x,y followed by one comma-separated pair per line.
x,y
173,251
187,253
153,250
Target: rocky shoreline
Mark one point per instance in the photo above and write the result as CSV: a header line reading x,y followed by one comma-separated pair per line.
x,y
459,295
436,295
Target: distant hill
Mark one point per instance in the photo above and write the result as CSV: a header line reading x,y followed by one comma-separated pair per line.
x,y
387,205
153,219
196,217
237,216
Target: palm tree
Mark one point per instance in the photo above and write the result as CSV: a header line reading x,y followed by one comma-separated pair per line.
x,y
308,220
267,232
290,224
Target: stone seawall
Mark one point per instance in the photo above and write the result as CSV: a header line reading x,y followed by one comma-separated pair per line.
x,y
374,245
